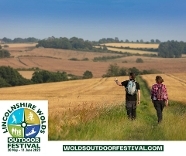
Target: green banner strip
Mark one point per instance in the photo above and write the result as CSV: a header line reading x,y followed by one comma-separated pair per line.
x,y
91,148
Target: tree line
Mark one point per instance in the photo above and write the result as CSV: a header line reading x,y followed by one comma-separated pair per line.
x,y
169,49
116,40
73,43
19,40
11,77
115,70
100,41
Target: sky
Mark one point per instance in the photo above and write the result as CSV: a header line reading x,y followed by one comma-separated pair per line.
x,y
94,19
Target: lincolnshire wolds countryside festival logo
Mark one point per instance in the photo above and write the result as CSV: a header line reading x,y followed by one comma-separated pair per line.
x,y
24,121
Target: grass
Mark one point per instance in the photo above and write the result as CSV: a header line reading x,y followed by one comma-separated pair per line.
x,y
111,123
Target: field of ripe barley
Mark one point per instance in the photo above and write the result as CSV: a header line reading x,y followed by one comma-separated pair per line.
x,y
132,45
70,101
20,45
82,109
97,92
77,94
175,83
131,51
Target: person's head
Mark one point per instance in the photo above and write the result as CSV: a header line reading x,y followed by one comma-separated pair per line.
x,y
159,79
132,76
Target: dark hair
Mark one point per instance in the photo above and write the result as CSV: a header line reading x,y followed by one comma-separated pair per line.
x,y
132,75
159,79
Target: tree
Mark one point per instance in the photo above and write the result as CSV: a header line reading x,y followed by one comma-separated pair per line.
x,y
116,39
113,70
65,43
6,40
4,53
134,70
139,60
45,76
123,71
37,77
105,48
158,41
87,74
141,41
152,40
170,49
3,83
20,40
12,76
127,41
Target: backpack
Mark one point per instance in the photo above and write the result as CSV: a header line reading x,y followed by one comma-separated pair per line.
x,y
160,93
131,87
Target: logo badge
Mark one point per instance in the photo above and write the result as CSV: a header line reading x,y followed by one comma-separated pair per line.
x,y
25,125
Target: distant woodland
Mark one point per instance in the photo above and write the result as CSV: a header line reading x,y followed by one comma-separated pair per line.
x,y
169,49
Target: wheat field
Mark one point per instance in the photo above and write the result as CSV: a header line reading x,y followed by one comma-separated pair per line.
x,y
20,45
131,51
95,92
132,45
81,100
26,74
77,94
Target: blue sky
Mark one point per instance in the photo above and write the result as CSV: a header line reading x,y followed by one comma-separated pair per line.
x,y
94,19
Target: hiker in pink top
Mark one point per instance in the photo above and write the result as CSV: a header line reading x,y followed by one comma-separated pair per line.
x,y
159,97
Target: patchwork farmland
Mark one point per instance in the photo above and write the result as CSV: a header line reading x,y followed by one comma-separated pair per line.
x,y
82,109
26,56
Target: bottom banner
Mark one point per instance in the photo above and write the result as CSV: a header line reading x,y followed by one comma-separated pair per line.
x,y
109,148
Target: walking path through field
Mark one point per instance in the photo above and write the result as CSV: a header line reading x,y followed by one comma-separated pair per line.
x,y
98,92
112,123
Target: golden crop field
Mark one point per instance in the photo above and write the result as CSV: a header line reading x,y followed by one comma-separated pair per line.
x,y
20,45
58,53
81,100
132,45
89,92
131,51
26,74
179,76
175,83
77,94
183,55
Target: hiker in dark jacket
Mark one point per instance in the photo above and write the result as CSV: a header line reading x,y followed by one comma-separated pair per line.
x,y
159,97
131,100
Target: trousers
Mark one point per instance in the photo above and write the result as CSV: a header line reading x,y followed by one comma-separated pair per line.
x,y
131,109
159,106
